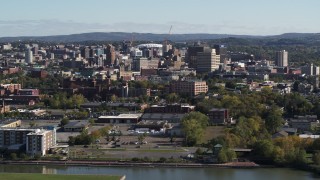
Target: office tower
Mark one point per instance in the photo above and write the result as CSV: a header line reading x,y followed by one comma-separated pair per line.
x,y
222,51
192,55
35,50
310,70
111,55
282,58
28,56
85,53
207,61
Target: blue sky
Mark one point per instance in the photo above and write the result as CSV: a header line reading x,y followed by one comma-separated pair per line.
x,y
250,17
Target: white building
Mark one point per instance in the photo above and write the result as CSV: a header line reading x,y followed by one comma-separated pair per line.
x,y
207,61
28,56
37,141
40,141
282,58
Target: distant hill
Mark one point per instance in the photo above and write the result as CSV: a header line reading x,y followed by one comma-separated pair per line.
x,y
120,36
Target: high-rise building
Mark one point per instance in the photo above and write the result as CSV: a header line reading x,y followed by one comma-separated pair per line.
x,y
28,56
35,50
222,51
207,61
282,58
85,53
192,55
310,70
111,55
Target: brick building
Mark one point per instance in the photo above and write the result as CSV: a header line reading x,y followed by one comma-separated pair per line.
x,y
218,116
188,87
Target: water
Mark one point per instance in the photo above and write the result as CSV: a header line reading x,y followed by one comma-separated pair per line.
x,y
140,173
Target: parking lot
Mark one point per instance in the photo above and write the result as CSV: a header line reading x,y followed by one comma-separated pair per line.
x,y
125,146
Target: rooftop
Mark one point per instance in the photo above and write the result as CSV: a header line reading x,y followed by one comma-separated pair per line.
x,y
123,116
77,124
38,132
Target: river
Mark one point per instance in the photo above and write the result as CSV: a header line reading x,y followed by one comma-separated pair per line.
x,y
140,173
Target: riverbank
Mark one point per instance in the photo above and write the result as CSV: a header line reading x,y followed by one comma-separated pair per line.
x,y
37,176
134,164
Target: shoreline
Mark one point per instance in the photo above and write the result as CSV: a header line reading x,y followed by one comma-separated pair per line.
x,y
134,164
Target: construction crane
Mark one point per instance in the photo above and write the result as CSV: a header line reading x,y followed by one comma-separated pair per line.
x,y
169,33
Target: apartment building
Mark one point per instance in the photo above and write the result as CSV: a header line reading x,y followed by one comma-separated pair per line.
x,y
189,87
37,141
40,141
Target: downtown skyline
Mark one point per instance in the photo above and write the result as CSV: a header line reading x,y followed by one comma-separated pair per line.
x,y
248,17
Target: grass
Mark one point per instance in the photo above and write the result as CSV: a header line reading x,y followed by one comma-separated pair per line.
x,y
161,150
212,132
26,176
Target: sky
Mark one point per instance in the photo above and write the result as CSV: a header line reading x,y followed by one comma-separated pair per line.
x,y
243,17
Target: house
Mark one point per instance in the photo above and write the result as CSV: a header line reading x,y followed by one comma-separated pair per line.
x,y
304,123
290,131
280,134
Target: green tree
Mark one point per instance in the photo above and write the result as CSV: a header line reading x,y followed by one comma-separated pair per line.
x,y
77,100
32,123
201,118
249,130
172,98
264,149
91,121
193,126
141,138
193,131
64,122
222,156
72,141
273,119
316,158
114,98
226,155
13,156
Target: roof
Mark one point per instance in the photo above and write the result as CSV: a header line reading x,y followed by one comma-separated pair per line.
x,y
162,116
304,136
122,116
242,150
74,124
17,129
218,109
280,134
150,45
289,130
6,122
218,146
38,132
